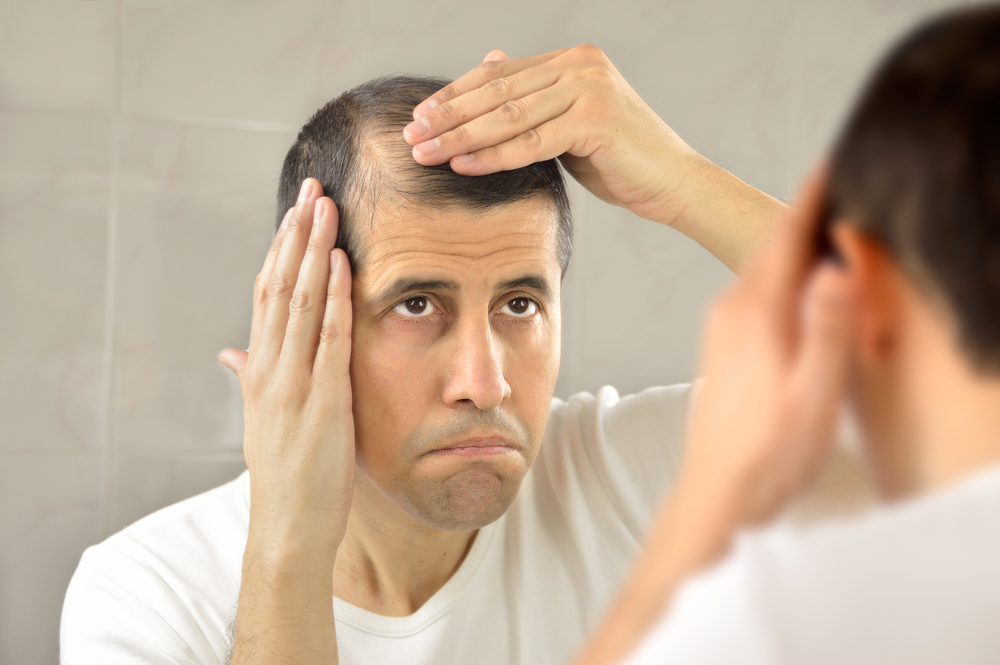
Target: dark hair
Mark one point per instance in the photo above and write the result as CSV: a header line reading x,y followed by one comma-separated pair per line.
x,y
354,146
918,168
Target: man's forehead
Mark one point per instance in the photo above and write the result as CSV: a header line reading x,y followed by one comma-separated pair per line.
x,y
425,241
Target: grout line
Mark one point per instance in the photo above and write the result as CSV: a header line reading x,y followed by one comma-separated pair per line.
x,y
262,126
116,114
107,439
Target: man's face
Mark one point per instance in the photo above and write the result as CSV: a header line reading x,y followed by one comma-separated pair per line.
x,y
455,356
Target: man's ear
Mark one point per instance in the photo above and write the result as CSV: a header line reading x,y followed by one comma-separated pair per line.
x,y
873,276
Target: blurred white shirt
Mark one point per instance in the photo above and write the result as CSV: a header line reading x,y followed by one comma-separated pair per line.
x,y
914,582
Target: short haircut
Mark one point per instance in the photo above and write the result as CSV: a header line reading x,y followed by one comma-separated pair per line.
x,y
354,147
917,167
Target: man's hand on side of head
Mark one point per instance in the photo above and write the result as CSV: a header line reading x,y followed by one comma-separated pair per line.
x,y
777,352
573,104
299,441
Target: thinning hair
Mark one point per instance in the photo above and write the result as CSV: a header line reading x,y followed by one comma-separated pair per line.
x,y
354,147
917,167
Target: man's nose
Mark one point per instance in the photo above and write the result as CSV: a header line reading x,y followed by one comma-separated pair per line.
x,y
476,373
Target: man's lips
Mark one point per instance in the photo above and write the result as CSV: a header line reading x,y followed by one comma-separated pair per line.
x,y
476,446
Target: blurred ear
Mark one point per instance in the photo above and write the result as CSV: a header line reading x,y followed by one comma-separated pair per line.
x,y
874,278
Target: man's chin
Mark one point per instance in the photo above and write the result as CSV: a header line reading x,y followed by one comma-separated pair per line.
x,y
463,501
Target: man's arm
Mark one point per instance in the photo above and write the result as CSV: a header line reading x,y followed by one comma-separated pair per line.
x,y
573,104
299,442
777,349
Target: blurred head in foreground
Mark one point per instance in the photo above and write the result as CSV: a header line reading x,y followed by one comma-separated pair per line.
x,y
915,187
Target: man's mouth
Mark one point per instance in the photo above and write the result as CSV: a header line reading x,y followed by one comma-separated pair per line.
x,y
476,446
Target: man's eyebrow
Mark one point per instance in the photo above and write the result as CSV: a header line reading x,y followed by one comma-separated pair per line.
x,y
401,287
534,282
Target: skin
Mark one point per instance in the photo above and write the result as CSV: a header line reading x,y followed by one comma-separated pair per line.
x,y
477,359
333,372
573,104
784,351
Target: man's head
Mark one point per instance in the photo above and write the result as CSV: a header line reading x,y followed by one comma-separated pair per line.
x,y
456,305
917,174
354,146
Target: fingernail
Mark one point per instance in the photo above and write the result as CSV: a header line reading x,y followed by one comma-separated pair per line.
x,y
306,190
417,128
463,159
284,221
424,108
334,260
319,211
428,147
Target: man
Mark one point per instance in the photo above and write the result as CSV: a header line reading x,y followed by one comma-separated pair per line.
x,y
906,324
413,493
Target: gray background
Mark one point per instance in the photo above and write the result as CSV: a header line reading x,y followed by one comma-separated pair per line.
x,y
140,142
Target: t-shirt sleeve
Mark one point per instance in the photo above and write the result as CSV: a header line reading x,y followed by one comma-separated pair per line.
x,y
119,610
634,444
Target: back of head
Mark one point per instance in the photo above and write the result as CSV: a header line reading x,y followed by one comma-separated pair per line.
x,y
354,147
918,168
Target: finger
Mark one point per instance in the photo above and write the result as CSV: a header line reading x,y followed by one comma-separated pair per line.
x,y
495,54
507,94
285,273
305,309
264,278
476,78
779,274
546,141
234,359
499,122
820,372
333,356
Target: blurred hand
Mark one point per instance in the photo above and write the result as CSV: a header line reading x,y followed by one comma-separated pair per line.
x,y
777,352
299,441
572,104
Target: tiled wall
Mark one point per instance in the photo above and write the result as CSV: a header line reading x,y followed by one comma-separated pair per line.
x,y
140,142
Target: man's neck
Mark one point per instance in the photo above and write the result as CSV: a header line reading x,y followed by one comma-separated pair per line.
x,y
388,563
948,421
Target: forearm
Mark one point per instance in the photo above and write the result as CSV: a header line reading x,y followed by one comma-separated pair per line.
x,y
285,611
689,534
720,212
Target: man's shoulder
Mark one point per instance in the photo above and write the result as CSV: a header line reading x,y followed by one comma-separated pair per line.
x,y
912,582
167,584
910,579
655,414
208,519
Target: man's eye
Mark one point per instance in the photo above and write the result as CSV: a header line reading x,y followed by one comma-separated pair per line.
x,y
521,308
416,307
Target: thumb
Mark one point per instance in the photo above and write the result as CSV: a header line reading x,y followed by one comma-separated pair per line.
x,y
819,375
234,359
495,54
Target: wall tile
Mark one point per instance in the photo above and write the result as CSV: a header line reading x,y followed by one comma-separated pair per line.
x,y
57,55
451,37
144,484
225,61
49,513
647,288
53,236
720,73
840,45
196,216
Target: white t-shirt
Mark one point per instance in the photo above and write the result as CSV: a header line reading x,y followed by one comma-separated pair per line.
x,y
917,583
533,584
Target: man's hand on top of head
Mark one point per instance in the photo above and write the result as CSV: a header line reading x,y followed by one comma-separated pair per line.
x,y
571,104
299,440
